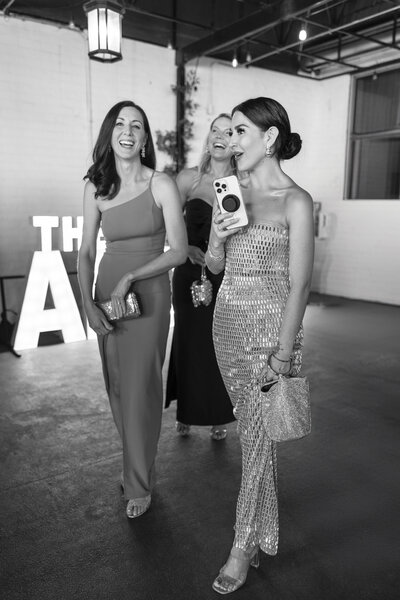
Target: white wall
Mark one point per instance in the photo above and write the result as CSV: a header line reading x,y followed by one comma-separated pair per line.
x,y
361,257
53,99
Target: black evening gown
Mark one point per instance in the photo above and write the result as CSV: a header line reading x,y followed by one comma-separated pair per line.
x,y
194,379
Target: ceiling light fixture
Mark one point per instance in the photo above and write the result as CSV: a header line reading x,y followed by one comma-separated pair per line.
x,y
104,29
235,62
303,33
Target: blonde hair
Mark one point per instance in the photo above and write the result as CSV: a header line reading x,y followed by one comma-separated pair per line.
x,y
205,157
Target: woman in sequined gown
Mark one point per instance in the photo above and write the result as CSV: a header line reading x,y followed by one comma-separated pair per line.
x,y
194,380
259,311
136,207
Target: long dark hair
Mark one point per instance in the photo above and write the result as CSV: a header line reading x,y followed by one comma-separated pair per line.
x,y
103,173
266,113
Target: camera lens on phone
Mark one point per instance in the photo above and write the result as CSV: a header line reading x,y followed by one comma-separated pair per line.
x,y
230,203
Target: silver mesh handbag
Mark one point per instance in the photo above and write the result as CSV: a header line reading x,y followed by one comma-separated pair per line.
x,y
286,410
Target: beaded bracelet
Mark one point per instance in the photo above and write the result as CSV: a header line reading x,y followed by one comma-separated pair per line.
x,y
215,256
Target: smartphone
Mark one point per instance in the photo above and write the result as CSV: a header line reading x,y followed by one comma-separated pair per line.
x,y
230,199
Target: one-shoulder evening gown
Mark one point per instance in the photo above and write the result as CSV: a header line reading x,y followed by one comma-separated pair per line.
x,y
194,379
247,320
135,234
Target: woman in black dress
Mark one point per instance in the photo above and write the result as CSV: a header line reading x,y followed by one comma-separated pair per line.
x,y
194,379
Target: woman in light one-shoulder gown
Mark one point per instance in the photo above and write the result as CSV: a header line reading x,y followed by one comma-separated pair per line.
x,y
259,310
136,207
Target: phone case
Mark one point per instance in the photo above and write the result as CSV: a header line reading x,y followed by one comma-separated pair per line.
x,y
230,199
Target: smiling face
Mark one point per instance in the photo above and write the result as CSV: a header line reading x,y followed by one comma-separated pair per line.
x,y
248,142
128,136
219,139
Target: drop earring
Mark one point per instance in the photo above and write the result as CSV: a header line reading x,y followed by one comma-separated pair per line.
x,y
143,152
268,152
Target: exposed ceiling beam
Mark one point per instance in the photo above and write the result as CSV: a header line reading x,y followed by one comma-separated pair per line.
x,y
354,35
323,34
255,24
172,19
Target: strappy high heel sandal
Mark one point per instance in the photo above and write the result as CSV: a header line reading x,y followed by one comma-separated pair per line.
x,y
226,584
218,432
182,429
137,507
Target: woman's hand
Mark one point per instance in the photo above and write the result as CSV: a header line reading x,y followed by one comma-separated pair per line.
x,y
220,221
118,295
196,256
275,367
97,320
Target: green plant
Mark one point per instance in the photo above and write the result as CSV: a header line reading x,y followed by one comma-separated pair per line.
x,y
167,141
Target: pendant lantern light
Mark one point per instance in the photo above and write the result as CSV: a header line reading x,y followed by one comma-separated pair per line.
x,y
104,29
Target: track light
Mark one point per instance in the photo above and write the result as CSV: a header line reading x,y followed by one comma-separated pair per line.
x,y
303,33
235,62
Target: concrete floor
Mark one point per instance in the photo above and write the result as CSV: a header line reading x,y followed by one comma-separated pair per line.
x,y
63,530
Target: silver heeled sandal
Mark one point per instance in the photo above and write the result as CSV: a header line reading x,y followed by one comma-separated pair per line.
x,y
225,584
182,429
137,507
218,432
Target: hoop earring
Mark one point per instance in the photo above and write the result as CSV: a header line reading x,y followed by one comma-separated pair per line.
x,y
268,152
143,152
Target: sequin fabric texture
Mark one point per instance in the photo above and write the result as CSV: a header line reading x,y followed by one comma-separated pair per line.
x,y
247,320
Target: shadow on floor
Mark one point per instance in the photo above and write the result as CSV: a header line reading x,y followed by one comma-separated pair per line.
x,y
63,530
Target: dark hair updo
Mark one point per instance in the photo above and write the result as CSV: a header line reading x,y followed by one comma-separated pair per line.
x,y
266,113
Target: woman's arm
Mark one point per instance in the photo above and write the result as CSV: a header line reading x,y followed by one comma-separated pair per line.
x,y
301,257
184,181
166,196
86,261
215,255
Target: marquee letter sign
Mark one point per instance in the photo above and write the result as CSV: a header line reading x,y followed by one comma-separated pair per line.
x,y
48,272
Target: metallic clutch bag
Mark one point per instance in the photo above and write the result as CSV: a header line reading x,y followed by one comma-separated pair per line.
x,y
201,290
132,308
286,411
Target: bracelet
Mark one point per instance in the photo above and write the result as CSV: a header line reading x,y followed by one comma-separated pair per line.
x,y
281,359
215,256
272,368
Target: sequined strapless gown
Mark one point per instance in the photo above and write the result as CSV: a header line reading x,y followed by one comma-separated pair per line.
x,y
247,320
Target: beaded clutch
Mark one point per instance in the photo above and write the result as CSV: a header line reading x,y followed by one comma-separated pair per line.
x,y
201,290
132,308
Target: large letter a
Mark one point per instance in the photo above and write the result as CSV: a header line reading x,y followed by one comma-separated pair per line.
x,y
48,270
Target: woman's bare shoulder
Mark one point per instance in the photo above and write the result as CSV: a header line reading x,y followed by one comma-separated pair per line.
x,y
187,175
298,200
